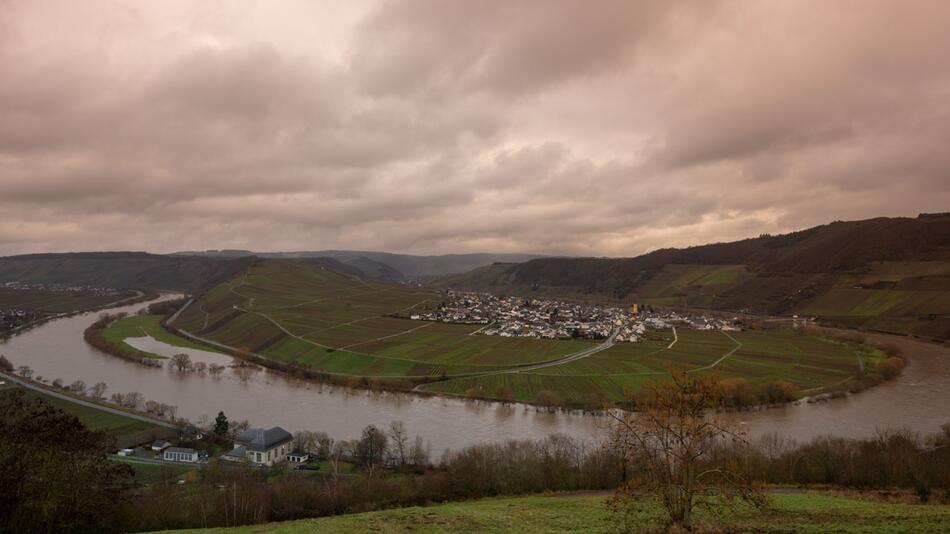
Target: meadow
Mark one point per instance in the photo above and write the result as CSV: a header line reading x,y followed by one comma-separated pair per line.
x,y
305,314
803,513
114,424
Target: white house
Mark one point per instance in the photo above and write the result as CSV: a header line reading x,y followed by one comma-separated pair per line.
x,y
180,454
262,446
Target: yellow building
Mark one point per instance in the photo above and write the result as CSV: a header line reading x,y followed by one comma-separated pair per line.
x,y
634,309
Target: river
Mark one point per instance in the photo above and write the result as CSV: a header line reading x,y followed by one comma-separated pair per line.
x,y
919,399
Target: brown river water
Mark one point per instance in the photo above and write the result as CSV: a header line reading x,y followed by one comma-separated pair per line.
x,y
919,399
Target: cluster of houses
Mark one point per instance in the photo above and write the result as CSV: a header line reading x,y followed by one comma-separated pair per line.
x,y
257,446
553,319
13,318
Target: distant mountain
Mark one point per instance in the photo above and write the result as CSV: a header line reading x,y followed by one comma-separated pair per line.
x,y
888,273
386,265
120,270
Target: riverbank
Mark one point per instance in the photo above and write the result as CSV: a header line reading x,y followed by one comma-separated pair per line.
x,y
128,427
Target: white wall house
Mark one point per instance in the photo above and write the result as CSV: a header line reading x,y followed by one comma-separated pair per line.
x,y
180,454
262,446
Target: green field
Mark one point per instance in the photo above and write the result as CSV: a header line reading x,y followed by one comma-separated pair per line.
x,y
335,323
114,424
789,513
146,325
811,363
145,473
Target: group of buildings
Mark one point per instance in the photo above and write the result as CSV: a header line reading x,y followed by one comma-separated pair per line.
x,y
554,319
256,446
12,318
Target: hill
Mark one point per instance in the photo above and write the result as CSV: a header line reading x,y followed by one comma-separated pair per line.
x,y
386,265
791,512
885,273
121,270
301,315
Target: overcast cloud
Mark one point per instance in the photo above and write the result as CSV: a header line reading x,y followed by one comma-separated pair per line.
x,y
436,126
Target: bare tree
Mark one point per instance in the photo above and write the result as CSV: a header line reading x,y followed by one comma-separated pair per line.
x,y
25,371
98,391
215,369
669,444
130,400
419,454
58,383
78,387
399,443
152,407
181,361
201,367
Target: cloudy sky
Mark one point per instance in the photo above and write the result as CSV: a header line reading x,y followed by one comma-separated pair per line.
x,y
431,126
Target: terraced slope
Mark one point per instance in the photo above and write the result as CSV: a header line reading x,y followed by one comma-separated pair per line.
x,y
332,322
306,314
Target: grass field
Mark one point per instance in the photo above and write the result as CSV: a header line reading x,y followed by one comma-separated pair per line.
x,y
807,361
790,513
114,424
146,325
149,473
336,323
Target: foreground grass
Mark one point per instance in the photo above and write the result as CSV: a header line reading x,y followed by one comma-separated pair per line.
x,y
791,513
146,325
114,424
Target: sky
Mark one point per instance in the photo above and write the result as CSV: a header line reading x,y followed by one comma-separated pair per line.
x,y
607,128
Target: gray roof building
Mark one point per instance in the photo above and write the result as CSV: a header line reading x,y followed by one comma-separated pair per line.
x,y
262,440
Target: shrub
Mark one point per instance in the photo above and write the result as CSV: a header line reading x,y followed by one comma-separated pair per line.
x,y
890,367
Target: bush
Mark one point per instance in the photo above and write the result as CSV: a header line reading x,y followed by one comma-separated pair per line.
x,y
890,367
777,392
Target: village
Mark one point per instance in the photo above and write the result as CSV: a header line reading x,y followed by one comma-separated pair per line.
x,y
541,318
16,317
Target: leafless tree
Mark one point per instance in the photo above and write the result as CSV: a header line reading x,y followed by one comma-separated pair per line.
x,y
669,444
98,391
215,369
399,443
201,367
78,387
181,361
130,400
152,407
419,454
25,371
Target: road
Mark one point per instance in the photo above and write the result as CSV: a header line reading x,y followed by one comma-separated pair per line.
x,y
81,402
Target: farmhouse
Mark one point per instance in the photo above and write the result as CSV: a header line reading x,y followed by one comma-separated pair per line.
x,y
180,454
262,446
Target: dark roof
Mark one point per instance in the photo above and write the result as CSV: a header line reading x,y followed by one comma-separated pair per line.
x,y
181,449
237,452
260,440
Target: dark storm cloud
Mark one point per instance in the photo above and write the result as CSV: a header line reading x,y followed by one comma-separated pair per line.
x,y
441,126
